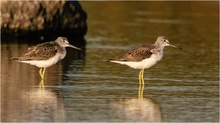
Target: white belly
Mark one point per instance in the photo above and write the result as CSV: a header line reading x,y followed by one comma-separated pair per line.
x,y
46,63
144,64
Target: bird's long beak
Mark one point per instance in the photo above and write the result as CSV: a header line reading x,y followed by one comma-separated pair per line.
x,y
74,47
175,47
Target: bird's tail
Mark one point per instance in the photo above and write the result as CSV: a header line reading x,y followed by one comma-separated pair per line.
x,y
14,58
109,60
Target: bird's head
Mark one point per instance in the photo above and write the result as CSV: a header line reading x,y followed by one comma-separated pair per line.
x,y
63,42
163,41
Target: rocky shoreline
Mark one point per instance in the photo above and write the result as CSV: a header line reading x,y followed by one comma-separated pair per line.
x,y
42,20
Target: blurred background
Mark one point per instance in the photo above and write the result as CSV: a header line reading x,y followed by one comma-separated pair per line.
x,y
182,87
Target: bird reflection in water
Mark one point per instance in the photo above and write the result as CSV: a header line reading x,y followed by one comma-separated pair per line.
x,y
137,109
41,105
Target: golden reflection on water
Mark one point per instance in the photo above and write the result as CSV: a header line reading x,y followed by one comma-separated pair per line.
x,y
138,109
43,105
37,104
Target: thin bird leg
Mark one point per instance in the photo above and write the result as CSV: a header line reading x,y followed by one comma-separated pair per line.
x,y
43,73
40,72
140,92
142,77
41,84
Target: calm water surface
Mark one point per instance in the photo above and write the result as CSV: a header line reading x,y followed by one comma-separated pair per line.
x,y
183,86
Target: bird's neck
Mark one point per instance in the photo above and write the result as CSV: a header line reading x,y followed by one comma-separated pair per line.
x,y
158,49
62,51
158,46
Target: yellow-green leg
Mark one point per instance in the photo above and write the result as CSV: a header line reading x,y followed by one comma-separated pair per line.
x,y
141,77
42,72
41,84
140,81
140,92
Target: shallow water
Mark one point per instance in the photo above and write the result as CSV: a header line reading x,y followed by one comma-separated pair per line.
x,y
183,86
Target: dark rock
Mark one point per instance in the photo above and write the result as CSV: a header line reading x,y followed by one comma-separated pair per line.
x,y
42,20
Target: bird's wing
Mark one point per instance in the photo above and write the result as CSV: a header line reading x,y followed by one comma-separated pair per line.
x,y
40,52
136,54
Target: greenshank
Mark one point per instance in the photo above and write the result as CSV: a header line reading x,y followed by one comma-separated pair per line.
x,y
46,54
143,57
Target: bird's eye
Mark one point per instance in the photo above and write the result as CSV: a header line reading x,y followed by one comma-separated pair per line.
x,y
164,40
